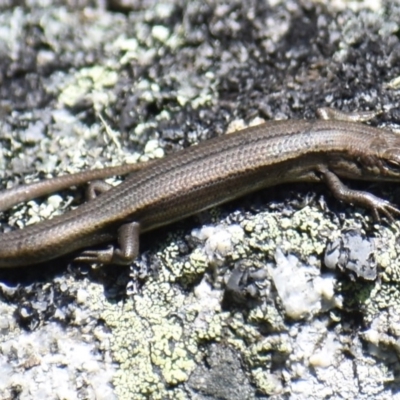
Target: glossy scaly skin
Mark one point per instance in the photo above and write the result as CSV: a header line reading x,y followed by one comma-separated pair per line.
x,y
197,178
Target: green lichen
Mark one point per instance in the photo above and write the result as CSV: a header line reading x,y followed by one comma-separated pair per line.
x,y
158,336
387,254
265,381
302,234
147,334
156,332
90,83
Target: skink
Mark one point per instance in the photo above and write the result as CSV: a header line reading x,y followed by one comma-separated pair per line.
x,y
202,176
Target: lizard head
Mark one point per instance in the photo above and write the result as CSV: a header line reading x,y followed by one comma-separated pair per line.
x,y
382,159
